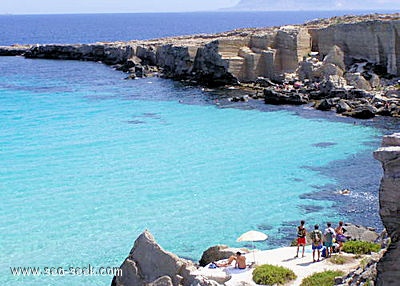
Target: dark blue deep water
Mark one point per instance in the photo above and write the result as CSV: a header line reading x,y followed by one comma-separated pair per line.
x,y
89,160
89,28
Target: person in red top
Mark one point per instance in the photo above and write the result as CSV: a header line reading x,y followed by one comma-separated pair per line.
x,y
301,237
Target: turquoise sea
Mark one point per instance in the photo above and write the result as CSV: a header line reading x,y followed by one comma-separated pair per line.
x,y
90,160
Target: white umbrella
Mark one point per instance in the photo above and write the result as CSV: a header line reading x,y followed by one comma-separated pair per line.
x,y
253,236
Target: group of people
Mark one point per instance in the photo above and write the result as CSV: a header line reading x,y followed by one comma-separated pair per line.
x,y
320,239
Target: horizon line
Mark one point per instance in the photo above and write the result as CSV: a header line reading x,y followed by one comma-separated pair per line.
x,y
224,10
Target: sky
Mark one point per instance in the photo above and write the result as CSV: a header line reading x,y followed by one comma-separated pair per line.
x,y
109,6
135,6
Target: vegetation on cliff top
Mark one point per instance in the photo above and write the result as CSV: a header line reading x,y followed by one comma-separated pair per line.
x,y
326,278
270,275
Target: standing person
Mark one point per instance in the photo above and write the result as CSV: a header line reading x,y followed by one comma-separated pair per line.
x,y
329,235
301,237
316,237
340,235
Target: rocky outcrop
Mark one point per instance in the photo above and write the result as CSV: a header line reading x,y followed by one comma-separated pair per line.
x,y
389,199
210,66
175,60
106,53
149,264
359,232
218,252
284,97
15,50
363,275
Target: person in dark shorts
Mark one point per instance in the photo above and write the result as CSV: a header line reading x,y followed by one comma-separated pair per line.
x,y
316,237
329,235
301,237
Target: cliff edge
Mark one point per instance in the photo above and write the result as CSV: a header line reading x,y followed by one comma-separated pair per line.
x,y
389,200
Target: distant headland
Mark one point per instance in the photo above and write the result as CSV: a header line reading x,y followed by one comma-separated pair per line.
x,y
313,5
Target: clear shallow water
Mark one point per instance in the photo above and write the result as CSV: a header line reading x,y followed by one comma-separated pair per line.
x,y
90,160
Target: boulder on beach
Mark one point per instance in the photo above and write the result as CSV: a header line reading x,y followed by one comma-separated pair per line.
x,y
218,252
149,264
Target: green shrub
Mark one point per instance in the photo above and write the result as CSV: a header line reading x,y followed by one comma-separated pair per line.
x,y
361,247
270,274
339,259
326,278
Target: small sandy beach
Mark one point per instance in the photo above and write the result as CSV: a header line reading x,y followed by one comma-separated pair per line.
x,y
302,266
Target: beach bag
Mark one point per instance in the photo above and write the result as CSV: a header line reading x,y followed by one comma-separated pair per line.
x,y
316,238
324,254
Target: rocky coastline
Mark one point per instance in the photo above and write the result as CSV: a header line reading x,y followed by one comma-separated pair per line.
x,y
149,264
349,64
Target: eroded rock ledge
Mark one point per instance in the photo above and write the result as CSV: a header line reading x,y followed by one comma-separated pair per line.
x,y
349,64
389,200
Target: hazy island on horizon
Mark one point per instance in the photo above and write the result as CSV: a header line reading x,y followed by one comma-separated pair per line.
x,y
314,5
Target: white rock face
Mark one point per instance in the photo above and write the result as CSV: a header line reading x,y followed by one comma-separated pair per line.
x,y
375,41
335,56
389,200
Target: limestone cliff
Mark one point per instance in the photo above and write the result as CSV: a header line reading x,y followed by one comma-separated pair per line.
x,y
246,54
389,199
375,41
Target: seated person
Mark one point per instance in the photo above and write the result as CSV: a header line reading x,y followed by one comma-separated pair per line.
x,y
239,258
